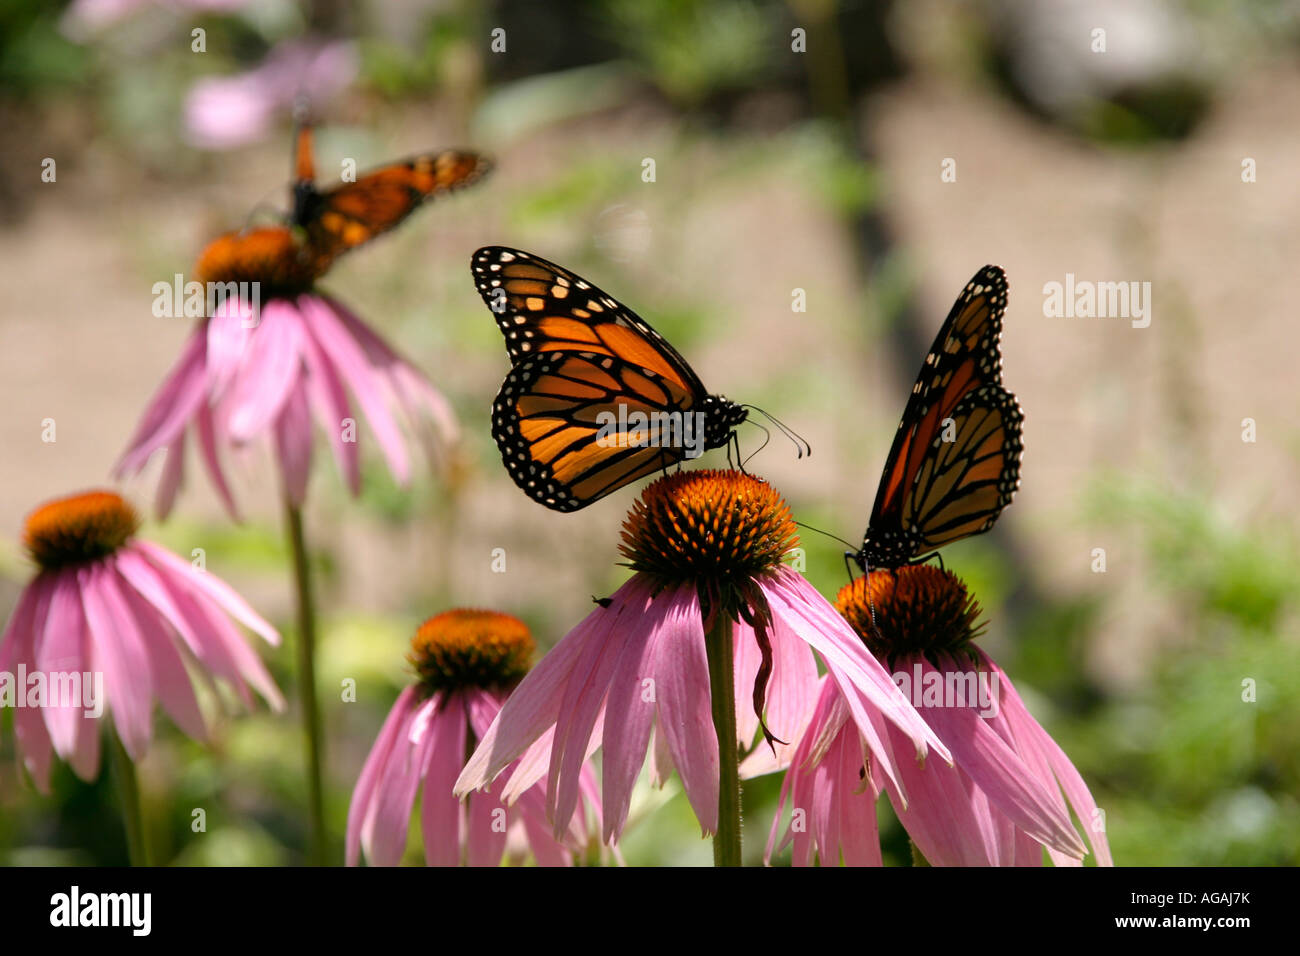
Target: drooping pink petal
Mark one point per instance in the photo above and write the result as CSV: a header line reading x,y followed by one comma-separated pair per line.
x,y
230,332
330,401
171,681
791,690
207,434
1039,747
948,818
191,579
584,701
488,822
363,793
409,389
827,724
121,652
170,481
324,325
221,630
180,610
685,714
16,647
629,715
268,375
867,686
533,707
383,833
547,850
841,805
293,440
60,648
1000,772
441,813
169,409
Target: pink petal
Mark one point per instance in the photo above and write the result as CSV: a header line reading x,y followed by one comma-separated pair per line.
x,y
61,648
629,716
1003,776
293,440
171,680
441,811
489,822
383,833
409,389
948,817
1039,747
171,406
170,482
120,650
547,850
685,714
347,356
363,792
16,647
229,332
271,369
182,612
212,460
534,705
330,400
584,700
185,575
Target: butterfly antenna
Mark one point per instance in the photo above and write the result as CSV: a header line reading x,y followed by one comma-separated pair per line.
x,y
802,446
767,437
833,537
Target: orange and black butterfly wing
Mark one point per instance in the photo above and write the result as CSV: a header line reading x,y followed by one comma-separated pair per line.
x,y
345,216
557,423
931,492
541,307
580,358
963,485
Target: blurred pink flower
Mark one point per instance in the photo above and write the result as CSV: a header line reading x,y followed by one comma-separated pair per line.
x,y
229,111
83,18
466,660
234,383
639,663
109,607
1000,803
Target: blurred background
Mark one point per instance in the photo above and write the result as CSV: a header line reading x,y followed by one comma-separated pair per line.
x,y
784,161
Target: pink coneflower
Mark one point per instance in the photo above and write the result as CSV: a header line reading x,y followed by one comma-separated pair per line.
x,y
1000,804
83,18
711,606
241,378
229,111
466,661
107,606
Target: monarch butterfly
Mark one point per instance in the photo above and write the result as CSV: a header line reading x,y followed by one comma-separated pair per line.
x,y
955,461
339,219
595,398
287,258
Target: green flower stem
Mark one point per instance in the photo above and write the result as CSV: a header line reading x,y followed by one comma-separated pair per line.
x,y
128,788
311,724
726,841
